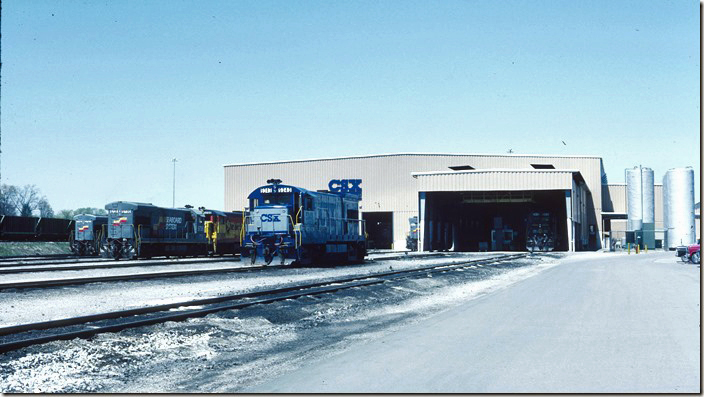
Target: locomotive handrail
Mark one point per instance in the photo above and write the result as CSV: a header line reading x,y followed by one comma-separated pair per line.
x,y
293,229
244,226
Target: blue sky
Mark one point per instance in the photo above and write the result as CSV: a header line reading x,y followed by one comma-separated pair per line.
x,y
99,96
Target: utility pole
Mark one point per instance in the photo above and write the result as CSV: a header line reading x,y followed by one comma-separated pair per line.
x,y
173,203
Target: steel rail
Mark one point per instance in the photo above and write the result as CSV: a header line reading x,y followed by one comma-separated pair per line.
x,y
266,296
125,277
143,276
110,260
113,264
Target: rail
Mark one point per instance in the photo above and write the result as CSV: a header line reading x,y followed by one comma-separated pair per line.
x,y
14,338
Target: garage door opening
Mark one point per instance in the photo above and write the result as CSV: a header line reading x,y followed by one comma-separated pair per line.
x,y
495,221
379,229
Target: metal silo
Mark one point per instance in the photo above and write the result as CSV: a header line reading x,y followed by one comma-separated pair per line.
x,y
648,206
634,190
678,206
648,183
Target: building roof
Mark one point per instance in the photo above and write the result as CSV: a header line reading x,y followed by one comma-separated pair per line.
x,y
413,154
511,179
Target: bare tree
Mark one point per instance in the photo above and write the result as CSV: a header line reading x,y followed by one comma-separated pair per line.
x,y
26,200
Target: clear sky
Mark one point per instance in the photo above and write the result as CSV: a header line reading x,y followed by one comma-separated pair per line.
x,y
99,96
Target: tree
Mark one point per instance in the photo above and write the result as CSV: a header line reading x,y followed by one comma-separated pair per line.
x,y
44,208
65,214
90,210
7,206
26,199
69,214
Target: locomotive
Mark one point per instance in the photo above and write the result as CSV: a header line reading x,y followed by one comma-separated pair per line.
x,y
307,226
541,230
89,234
142,230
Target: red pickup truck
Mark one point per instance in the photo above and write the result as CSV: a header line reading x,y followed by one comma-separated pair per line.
x,y
689,253
693,252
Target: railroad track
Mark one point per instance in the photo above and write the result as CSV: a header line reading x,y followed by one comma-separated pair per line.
x,y
19,336
108,264
128,277
35,257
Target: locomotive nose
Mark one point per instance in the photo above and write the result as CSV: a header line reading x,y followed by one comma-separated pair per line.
x,y
272,219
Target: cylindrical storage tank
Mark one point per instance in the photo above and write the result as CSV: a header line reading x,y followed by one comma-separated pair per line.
x,y
648,183
678,205
635,199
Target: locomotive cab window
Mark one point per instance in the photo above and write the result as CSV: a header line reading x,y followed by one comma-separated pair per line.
x,y
308,203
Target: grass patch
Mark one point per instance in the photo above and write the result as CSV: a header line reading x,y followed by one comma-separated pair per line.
x,y
16,248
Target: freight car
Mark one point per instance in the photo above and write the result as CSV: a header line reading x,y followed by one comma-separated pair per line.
x,y
541,230
29,228
141,230
289,222
89,235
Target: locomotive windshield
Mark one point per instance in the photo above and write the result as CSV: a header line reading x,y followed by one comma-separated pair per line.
x,y
277,199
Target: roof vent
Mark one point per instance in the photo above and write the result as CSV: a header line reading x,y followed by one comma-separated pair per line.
x,y
461,167
543,166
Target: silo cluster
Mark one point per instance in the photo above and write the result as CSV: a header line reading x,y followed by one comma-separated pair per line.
x,y
678,207
640,190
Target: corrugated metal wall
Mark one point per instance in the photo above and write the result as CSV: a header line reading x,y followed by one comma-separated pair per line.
x,y
487,181
615,200
387,182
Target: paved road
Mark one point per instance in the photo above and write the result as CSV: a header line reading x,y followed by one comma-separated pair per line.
x,y
598,322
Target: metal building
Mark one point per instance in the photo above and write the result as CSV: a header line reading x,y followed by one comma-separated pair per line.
x,y
502,188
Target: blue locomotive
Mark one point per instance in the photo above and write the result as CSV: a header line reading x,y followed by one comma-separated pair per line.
x,y
89,234
145,230
289,222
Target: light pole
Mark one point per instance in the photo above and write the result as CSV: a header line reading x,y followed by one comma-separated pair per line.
x,y
173,203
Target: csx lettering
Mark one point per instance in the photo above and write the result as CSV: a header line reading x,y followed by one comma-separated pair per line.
x,y
270,218
345,185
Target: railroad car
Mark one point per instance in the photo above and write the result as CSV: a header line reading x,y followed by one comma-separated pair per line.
x,y
89,235
289,222
541,229
29,228
223,231
142,230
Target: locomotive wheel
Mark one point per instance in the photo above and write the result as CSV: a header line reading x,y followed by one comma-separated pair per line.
x,y
268,257
253,256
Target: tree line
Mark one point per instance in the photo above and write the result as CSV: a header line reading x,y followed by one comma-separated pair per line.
x,y
27,200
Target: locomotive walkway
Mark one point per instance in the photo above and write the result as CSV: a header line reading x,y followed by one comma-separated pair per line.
x,y
599,322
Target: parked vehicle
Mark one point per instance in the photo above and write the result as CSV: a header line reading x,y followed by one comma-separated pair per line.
x,y
693,252
689,253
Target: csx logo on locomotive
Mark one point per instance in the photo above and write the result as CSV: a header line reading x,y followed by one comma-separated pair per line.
x,y
270,218
345,186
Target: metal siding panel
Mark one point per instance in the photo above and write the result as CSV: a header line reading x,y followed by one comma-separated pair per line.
x,y
388,185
